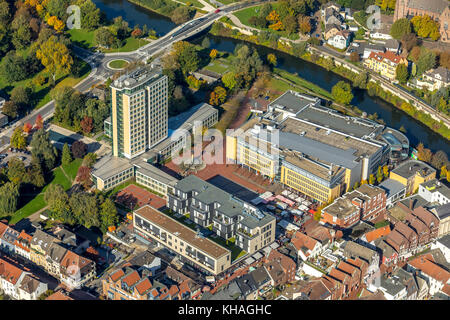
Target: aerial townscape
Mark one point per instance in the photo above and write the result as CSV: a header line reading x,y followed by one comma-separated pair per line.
x,y
224,150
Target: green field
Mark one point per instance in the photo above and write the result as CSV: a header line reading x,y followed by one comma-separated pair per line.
x,y
37,202
85,39
245,15
118,64
193,3
221,65
41,93
72,168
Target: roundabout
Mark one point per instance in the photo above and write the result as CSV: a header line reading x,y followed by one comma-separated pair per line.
x,y
116,64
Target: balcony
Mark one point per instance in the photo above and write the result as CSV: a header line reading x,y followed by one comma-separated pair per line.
x,y
246,234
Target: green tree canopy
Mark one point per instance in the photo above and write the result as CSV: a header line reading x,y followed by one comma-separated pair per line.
x,y
342,92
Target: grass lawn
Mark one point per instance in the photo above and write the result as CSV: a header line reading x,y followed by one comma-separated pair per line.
x,y
236,252
118,64
37,202
41,93
86,39
193,3
245,15
221,65
72,168
302,82
130,45
82,38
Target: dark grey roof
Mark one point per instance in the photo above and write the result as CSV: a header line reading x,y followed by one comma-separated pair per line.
x,y
153,172
443,211
409,168
415,202
260,276
392,43
56,252
230,292
391,187
293,101
42,239
436,6
247,284
445,240
143,259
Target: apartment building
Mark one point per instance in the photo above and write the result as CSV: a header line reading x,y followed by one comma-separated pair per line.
x,y
385,63
412,173
151,224
229,216
19,284
139,112
443,214
311,149
434,191
365,203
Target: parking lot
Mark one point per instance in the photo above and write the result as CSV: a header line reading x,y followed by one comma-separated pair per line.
x,y
11,153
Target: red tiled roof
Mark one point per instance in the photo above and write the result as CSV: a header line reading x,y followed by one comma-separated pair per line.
x,y
9,272
73,259
23,236
117,275
3,228
378,233
58,296
339,275
426,264
144,286
300,240
132,278
389,55
347,268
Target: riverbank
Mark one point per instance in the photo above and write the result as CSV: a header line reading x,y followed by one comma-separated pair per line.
x,y
223,30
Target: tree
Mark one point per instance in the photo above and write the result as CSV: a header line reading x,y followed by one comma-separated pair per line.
x,y
55,57
90,14
372,179
21,96
427,61
181,14
380,175
136,33
86,125
104,37
400,28
354,56
10,109
218,96
409,41
424,154
27,127
84,177
290,24
85,209
361,80
298,49
439,159
401,73
272,59
385,171
213,54
66,158
89,159
342,92
39,123
229,80
79,149
108,214
13,67
21,31
9,195
206,43
328,63
425,27
57,200
304,24
18,139
42,149
35,175
16,171
443,173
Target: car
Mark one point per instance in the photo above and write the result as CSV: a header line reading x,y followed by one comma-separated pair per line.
x,y
217,11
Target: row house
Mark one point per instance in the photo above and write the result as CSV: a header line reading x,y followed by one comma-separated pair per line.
x,y
400,285
365,203
426,267
128,284
349,274
305,246
8,236
280,268
385,63
19,284
389,256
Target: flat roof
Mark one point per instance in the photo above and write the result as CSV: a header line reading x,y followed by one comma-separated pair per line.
x,y
186,234
411,167
341,208
391,187
155,173
109,166
435,185
136,78
293,101
186,119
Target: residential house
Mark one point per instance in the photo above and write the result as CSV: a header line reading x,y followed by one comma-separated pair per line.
x,y
389,255
262,280
280,268
394,189
392,45
8,239
22,245
340,40
364,49
382,30
127,284
399,285
76,270
39,247
54,256
434,191
331,30
385,63
354,250
443,244
58,295
433,79
305,246
365,203
19,284
412,173
248,287
436,276
443,214
71,240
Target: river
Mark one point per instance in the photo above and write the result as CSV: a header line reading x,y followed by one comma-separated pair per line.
x,y
393,117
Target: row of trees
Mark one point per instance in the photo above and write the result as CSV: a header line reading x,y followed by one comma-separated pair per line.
x,y
422,26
